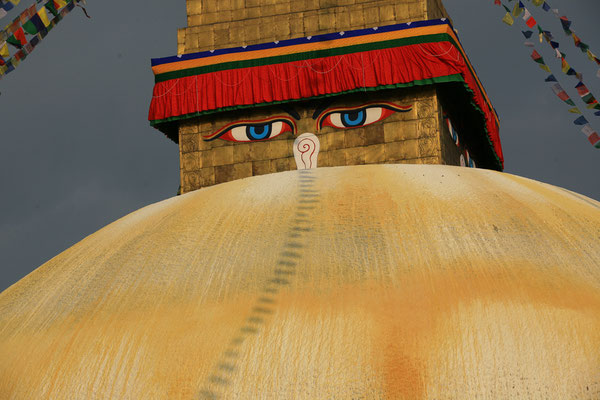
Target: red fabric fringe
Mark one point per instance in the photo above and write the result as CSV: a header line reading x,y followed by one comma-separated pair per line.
x,y
317,77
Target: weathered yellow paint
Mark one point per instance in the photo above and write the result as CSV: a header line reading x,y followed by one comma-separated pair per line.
x,y
409,282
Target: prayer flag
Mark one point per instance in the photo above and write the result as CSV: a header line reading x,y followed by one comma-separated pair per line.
x,y
575,110
566,24
15,2
497,2
508,19
529,44
537,3
34,25
555,11
518,9
537,57
18,38
597,113
4,50
581,121
44,17
565,66
2,13
59,3
7,6
546,7
527,34
560,92
545,68
529,20
50,6
582,89
554,45
551,78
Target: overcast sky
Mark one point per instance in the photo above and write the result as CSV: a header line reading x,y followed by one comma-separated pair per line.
x,y
77,151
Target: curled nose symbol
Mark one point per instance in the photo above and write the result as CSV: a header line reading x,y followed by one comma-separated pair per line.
x,y
306,150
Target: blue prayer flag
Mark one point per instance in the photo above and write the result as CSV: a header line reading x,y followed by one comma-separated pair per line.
x,y
546,7
551,78
581,121
527,34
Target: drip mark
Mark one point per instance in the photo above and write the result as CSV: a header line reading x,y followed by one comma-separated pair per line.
x,y
226,367
218,380
271,290
290,254
232,353
255,320
294,245
248,329
262,310
287,263
207,394
279,281
237,340
294,235
283,272
266,300
299,229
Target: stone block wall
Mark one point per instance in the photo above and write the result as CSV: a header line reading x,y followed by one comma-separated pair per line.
x,y
413,137
214,24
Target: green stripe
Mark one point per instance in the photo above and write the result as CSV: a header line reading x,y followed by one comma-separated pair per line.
x,y
357,48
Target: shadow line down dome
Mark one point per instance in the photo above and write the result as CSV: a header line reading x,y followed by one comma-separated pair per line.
x,y
374,282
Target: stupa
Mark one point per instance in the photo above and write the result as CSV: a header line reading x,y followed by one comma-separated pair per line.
x,y
344,232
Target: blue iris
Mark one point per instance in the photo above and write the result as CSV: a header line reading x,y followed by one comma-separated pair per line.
x,y
258,132
353,118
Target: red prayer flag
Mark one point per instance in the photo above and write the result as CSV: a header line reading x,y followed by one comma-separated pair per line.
x,y
20,35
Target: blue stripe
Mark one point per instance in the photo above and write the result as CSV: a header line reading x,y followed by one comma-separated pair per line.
x,y
293,42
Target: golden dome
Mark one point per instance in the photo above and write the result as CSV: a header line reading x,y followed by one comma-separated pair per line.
x,y
364,282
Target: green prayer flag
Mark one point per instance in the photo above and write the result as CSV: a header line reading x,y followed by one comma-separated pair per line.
x,y
14,41
50,6
30,28
570,102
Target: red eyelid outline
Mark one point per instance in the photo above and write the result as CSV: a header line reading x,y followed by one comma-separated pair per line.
x,y
391,107
224,130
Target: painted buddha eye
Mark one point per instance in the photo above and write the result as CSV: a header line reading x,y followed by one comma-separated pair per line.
x,y
252,131
346,118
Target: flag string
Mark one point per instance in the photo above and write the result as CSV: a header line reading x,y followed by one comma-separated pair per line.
x,y
33,22
518,10
566,26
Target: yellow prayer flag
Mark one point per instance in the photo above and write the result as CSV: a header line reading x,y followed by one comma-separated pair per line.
x,y
15,2
538,2
44,16
4,50
575,110
590,55
3,69
545,68
508,19
517,10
